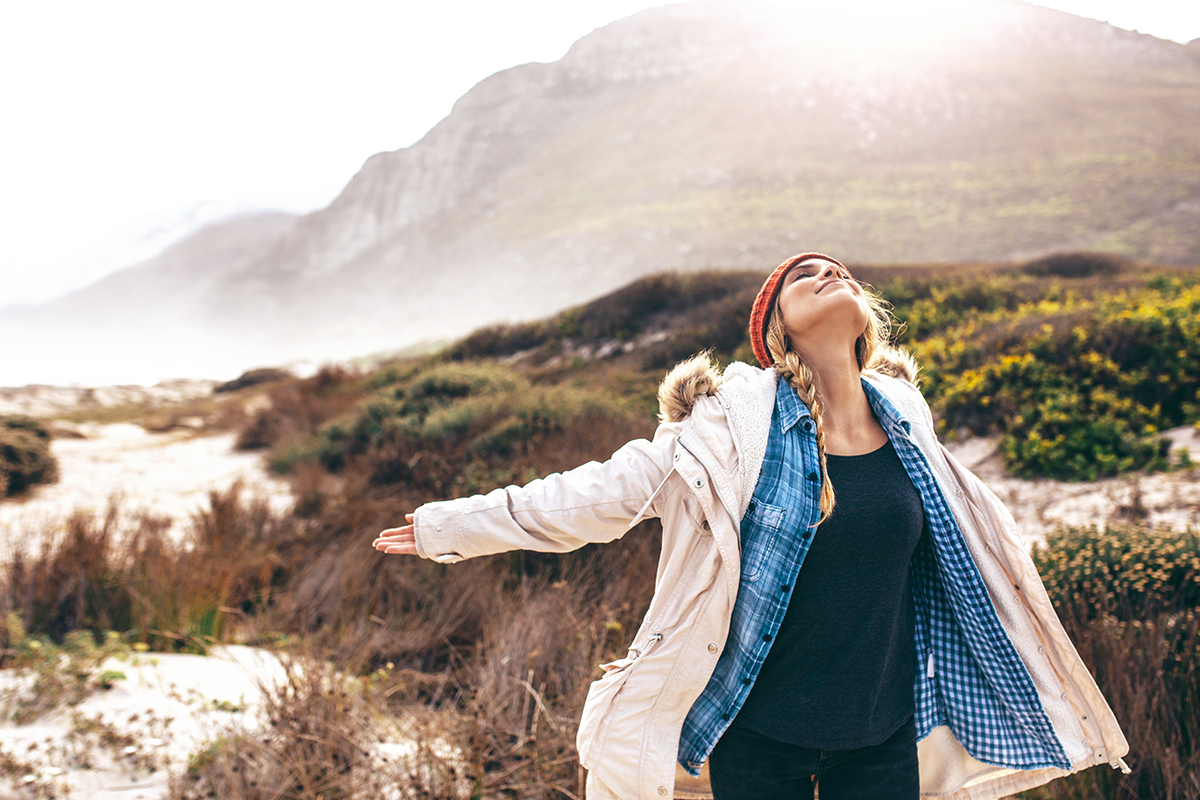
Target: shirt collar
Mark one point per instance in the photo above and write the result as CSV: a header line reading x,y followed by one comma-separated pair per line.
x,y
889,417
788,406
790,409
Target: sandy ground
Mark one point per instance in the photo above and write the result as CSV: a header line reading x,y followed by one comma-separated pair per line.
x,y
168,474
167,706
1170,499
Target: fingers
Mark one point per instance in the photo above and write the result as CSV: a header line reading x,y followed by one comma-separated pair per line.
x,y
398,541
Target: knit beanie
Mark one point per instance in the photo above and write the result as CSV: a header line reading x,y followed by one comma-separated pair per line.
x,y
766,301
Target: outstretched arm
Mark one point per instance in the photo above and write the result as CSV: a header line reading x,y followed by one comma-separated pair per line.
x,y
591,503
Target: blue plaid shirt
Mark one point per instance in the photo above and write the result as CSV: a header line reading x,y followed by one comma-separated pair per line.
x,y
969,676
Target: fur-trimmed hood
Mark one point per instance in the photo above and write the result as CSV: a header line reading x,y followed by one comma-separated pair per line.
x,y
699,377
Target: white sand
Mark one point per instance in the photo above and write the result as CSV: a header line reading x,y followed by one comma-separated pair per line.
x,y
1170,499
169,703
166,474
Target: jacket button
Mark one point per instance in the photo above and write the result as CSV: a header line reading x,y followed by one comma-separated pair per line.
x,y
712,647
699,482
439,527
705,525
677,456
812,476
662,790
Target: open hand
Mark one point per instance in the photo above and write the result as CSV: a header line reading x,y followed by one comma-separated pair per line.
x,y
398,541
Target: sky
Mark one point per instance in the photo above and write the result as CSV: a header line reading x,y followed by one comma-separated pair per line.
x,y
129,123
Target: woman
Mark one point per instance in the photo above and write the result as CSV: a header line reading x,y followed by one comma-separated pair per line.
x,y
918,616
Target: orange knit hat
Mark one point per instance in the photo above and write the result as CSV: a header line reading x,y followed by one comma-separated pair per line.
x,y
766,301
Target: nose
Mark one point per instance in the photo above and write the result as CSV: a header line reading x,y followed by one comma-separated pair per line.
x,y
830,269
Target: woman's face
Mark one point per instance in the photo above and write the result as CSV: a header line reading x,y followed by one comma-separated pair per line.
x,y
821,302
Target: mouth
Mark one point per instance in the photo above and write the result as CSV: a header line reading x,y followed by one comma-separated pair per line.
x,y
827,283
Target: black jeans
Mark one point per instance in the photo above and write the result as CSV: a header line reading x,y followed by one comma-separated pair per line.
x,y
749,766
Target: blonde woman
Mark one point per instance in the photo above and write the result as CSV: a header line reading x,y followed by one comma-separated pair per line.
x,y
839,603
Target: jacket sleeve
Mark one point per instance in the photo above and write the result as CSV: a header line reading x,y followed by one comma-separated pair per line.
x,y
596,502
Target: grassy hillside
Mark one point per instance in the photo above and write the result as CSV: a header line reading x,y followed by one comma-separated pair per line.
x,y
490,659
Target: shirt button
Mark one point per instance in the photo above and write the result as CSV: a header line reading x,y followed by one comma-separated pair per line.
x,y
439,527
746,681
808,426
805,535
766,637
750,508
712,647
784,588
725,718
812,476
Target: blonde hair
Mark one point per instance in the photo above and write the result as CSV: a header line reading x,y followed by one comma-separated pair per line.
x,y
872,348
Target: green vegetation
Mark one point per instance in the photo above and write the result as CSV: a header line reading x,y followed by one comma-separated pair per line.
x,y
1077,362
25,457
457,428
484,665
1129,597
1076,377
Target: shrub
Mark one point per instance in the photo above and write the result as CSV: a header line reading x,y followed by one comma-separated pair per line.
x,y
454,428
25,457
126,575
253,377
1075,265
1076,388
299,407
1131,572
1129,598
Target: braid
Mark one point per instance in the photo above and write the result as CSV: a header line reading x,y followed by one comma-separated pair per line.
x,y
789,366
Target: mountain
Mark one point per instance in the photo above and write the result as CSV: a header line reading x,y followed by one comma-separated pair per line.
x,y
147,322
708,135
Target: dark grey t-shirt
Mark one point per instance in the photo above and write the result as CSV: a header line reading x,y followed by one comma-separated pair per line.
x,y
840,673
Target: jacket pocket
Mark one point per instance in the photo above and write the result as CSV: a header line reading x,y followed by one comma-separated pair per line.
x,y
763,522
595,719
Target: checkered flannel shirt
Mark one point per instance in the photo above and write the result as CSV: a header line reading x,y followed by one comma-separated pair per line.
x,y
969,676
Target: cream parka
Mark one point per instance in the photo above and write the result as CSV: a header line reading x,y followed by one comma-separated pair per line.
x,y
698,475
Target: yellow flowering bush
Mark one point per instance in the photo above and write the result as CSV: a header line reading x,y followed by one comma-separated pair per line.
x,y
1077,385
